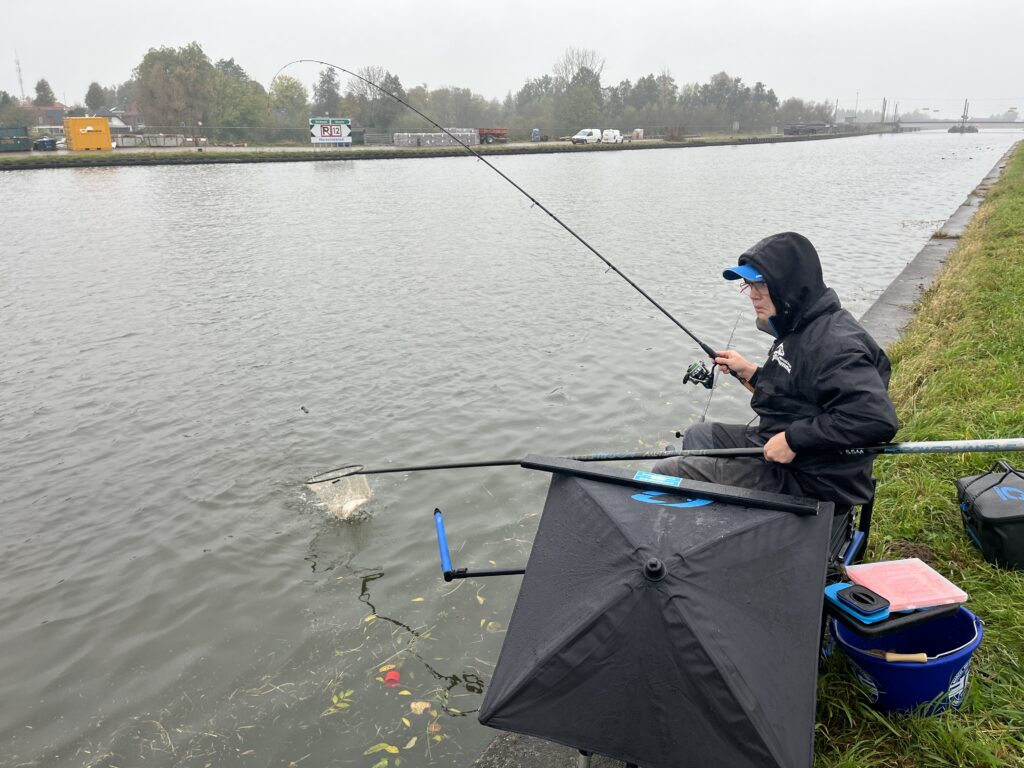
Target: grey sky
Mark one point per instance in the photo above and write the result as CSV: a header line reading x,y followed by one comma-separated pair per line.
x,y
923,54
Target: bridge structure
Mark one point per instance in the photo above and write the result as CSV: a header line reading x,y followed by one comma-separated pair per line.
x,y
982,124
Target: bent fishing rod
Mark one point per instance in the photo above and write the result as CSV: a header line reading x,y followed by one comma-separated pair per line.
x,y
704,347
930,446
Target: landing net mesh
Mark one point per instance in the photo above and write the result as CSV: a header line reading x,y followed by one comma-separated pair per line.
x,y
344,497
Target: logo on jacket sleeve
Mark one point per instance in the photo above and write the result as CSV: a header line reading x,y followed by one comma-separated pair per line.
x,y
779,356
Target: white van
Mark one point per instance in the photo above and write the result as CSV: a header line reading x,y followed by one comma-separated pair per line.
x,y
612,136
587,136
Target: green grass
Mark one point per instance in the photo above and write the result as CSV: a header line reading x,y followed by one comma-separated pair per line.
x,y
958,373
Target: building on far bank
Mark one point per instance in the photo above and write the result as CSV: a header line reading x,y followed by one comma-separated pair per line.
x,y
49,115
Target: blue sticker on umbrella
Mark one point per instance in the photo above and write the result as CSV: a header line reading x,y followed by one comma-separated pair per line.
x,y
650,477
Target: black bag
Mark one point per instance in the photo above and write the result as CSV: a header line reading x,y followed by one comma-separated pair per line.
x,y
992,506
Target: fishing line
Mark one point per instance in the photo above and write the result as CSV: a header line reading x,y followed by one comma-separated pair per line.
x,y
728,345
704,347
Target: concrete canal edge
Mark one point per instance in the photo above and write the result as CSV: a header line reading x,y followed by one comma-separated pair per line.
x,y
895,308
885,320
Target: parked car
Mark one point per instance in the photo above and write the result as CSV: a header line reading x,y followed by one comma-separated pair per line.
x,y
45,144
587,136
612,136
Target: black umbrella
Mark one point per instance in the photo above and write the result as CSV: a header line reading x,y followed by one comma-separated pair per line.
x,y
664,629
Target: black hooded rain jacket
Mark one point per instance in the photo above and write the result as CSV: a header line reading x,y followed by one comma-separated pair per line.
x,y
825,381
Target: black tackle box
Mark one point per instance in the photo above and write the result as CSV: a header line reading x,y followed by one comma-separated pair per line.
x,y
992,506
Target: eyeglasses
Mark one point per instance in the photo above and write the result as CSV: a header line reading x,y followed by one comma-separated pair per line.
x,y
754,289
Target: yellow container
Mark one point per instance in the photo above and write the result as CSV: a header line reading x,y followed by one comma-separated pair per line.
x,y
84,133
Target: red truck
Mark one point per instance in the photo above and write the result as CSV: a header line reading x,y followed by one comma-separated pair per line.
x,y
491,135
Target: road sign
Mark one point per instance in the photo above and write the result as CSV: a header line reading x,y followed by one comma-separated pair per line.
x,y
330,130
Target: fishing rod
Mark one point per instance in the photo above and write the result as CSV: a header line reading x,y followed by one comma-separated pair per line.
x,y
930,446
334,475
704,347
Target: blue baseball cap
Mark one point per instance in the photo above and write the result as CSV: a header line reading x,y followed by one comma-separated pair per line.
x,y
744,272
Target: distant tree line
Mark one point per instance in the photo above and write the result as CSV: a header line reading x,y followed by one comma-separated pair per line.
x,y
181,90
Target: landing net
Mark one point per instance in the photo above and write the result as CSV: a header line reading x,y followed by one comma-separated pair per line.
x,y
344,496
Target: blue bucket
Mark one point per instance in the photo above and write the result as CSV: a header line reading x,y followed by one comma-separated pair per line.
x,y
901,686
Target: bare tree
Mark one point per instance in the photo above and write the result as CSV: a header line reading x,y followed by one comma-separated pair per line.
x,y
575,60
361,90
375,107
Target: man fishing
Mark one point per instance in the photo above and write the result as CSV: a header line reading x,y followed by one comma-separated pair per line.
x,y
823,387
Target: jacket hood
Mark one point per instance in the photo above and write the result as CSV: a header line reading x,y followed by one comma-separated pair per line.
x,y
792,270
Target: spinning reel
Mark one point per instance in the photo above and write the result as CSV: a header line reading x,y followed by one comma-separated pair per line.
x,y
698,373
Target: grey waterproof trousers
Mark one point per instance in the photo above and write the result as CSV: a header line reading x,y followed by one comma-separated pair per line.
x,y
743,471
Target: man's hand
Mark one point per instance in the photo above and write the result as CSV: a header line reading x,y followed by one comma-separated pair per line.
x,y
731,360
777,449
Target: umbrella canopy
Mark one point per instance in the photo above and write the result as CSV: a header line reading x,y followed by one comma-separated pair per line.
x,y
666,630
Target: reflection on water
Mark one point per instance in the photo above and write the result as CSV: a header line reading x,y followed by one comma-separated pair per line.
x,y
183,347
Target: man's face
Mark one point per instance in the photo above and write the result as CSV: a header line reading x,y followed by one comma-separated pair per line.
x,y
758,293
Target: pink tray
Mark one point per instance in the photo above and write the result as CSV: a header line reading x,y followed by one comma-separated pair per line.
x,y
907,584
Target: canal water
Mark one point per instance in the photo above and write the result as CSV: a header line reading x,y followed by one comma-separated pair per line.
x,y
183,346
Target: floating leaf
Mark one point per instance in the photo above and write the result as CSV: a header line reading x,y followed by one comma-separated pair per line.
x,y
418,599
455,711
382,763
404,692
338,703
433,713
382,747
406,723
371,617
482,622
419,707
493,626
436,738
434,727
386,668
411,744
480,599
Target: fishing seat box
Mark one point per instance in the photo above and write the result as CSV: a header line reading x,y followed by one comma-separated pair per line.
x,y
992,506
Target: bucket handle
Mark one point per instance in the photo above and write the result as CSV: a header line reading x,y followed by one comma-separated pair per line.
x,y
890,656
977,623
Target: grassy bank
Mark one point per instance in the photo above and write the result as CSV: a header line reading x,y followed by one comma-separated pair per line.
x,y
958,373
22,161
